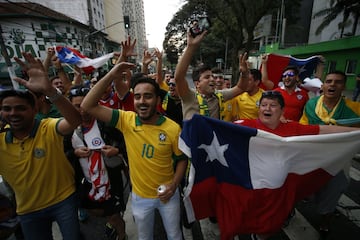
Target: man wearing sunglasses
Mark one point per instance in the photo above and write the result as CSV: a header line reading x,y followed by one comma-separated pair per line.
x,y
295,97
271,109
171,103
32,156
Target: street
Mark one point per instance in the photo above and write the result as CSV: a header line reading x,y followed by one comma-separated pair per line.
x,y
346,225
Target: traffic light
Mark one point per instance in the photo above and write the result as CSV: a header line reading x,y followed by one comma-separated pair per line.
x,y
127,22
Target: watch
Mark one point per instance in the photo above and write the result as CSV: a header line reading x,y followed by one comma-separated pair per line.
x,y
56,96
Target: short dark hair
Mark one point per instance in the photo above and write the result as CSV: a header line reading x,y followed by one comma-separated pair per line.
x,y
292,67
339,73
273,95
198,71
256,74
142,78
24,94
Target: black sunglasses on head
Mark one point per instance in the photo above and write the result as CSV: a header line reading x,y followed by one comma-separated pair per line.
x,y
271,93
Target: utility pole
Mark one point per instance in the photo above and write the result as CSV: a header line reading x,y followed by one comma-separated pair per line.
x,y
11,70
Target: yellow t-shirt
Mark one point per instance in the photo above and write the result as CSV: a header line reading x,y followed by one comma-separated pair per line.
x,y
36,167
151,149
247,107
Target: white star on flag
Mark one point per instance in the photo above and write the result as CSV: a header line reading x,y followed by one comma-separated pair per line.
x,y
69,55
215,151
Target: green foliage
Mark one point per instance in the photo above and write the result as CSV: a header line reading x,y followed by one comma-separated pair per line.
x,y
346,8
233,21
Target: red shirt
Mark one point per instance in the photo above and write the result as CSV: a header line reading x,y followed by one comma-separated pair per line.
x,y
284,129
294,103
114,102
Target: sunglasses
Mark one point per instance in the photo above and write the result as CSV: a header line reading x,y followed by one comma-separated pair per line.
x,y
172,84
79,91
271,93
288,74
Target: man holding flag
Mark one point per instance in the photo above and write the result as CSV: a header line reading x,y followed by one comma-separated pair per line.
x,y
331,108
254,176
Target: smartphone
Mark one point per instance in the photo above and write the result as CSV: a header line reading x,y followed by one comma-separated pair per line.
x,y
198,26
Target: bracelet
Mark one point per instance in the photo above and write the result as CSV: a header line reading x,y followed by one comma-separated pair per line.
x,y
56,96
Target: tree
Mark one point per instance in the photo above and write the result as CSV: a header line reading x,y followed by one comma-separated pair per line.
x,y
233,21
337,7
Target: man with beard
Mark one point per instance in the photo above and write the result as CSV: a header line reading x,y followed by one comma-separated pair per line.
x,y
152,146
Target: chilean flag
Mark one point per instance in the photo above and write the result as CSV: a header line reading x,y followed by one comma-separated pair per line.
x,y
250,179
277,63
72,56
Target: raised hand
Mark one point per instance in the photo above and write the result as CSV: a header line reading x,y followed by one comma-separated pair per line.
x,y
195,41
147,57
38,77
128,48
157,53
243,64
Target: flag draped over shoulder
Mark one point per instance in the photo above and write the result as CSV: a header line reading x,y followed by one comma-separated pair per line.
x,y
277,63
250,179
72,56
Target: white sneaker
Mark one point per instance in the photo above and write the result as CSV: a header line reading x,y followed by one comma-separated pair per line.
x,y
215,229
187,233
209,230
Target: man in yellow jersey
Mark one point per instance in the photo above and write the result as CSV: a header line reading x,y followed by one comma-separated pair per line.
x,y
152,147
33,161
247,103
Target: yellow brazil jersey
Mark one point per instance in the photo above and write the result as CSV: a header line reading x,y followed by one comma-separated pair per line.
x,y
36,167
247,107
152,150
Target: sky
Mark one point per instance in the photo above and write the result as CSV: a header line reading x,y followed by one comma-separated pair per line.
x,y
158,13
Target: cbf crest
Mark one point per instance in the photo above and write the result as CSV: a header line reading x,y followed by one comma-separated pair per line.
x,y
162,137
39,152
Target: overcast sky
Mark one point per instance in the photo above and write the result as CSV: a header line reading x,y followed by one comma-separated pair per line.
x,y
158,13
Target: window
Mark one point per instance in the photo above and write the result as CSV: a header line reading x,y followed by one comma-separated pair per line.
x,y
350,67
332,66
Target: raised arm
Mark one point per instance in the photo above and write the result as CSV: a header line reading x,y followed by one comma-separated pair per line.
x,y
264,73
184,62
77,76
39,82
90,102
147,59
320,67
61,73
242,83
49,54
123,87
127,50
